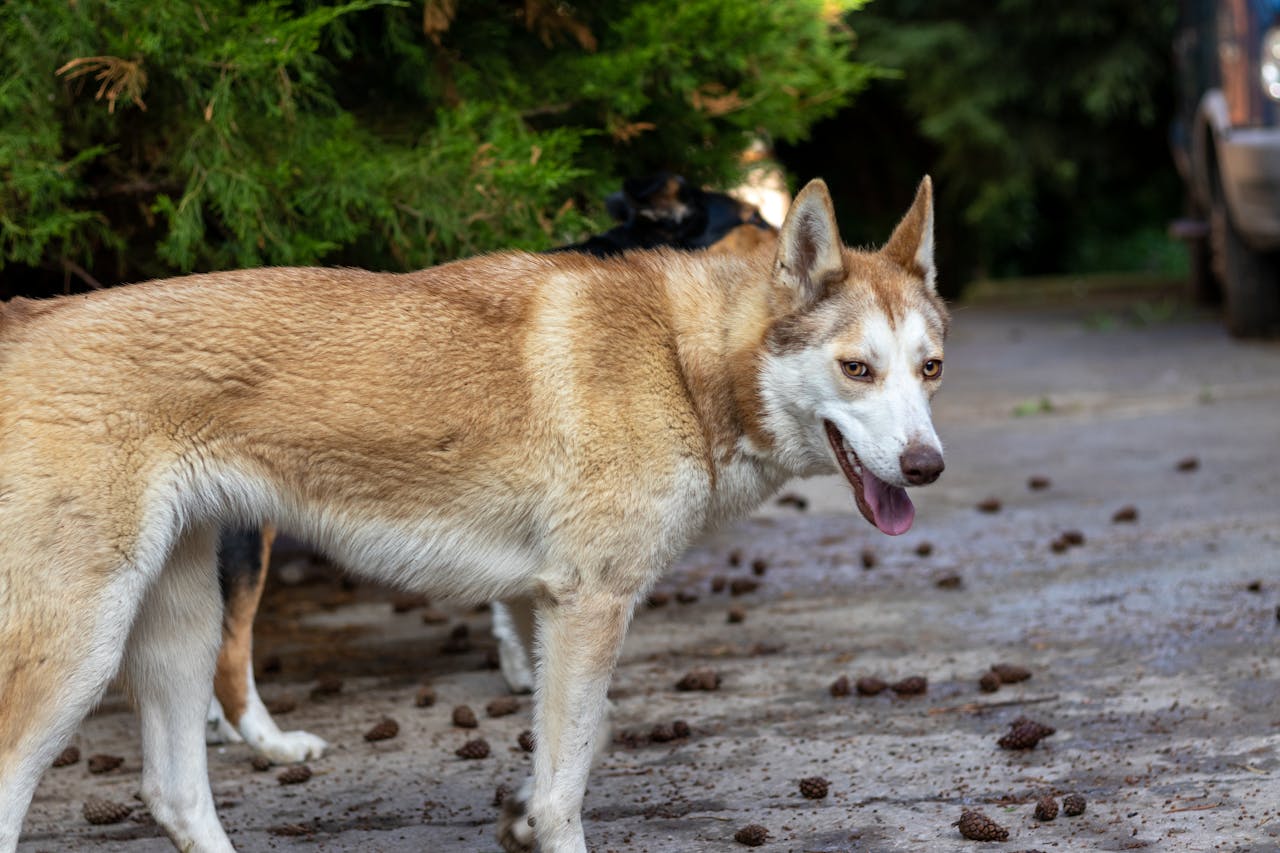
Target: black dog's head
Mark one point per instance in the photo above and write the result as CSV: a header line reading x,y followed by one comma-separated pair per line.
x,y
664,210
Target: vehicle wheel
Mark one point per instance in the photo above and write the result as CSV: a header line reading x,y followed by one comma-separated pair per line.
x,y
1251,280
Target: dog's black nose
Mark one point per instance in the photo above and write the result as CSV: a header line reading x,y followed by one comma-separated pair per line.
x,y
921,464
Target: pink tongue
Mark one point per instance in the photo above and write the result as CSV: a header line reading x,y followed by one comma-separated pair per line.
x,y
892,509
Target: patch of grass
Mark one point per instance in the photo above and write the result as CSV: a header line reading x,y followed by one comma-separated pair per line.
x,y
1027,408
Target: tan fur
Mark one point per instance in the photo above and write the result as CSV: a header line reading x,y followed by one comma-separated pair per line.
x,y
555,427
236,653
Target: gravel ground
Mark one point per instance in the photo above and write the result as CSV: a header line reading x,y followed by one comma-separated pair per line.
x,y
1152,646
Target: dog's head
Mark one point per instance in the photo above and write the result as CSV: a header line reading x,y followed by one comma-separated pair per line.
x,y
853,356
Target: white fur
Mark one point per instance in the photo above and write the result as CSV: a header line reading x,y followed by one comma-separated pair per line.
x,y
262,734
801,389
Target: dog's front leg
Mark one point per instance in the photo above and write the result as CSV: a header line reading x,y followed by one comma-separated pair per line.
x,y
579,637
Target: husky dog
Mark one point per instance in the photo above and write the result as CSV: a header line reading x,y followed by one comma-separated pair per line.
x,y
550,427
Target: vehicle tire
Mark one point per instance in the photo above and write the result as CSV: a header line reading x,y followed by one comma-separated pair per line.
x,y
1251,281
1205,277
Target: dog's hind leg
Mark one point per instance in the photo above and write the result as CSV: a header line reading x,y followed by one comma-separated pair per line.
x,y
169,671
513,627
238,711
579,638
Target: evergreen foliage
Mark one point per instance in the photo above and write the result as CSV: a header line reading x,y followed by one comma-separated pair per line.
x,y
1045,126
139,139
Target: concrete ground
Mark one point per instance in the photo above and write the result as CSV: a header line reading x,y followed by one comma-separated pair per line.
x,y
1152,645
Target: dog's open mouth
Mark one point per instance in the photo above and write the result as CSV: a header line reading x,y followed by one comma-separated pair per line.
x,y
885,506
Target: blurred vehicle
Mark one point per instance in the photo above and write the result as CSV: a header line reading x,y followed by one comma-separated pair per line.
x,y
1226,142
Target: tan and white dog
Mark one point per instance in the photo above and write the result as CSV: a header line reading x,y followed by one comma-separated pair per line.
x,y
550,427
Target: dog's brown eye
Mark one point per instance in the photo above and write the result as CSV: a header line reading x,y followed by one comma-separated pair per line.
x,y
855,370
932,368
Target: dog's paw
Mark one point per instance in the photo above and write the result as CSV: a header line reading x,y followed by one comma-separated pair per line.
x,y
514,832
291,747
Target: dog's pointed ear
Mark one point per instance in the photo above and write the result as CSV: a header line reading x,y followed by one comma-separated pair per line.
x,y
911,246
810,257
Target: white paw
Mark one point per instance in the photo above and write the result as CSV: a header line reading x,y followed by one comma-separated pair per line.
x,y
290,747
515,835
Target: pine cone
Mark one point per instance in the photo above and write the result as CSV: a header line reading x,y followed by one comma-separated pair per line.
x,y
870,686
464,717
759,567
526,740
718,583
104,763
736,615
98,811
686,596
1038,483
68,756
1073,805
1044,730
327,685
501,793
1024,735
840,687
1125,515
681,729
1058,545
869,558
295,775
742,586
425,697
659,598
260,763
703,678
282,705
752,835
989,505
502,706
662,733
1191,463
474,749
976,826
384,730
924,549
1072,537
916,685
813,787
989,682
1009,673
1046,808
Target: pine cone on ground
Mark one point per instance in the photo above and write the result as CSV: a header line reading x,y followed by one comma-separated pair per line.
x,y
327,685
742,586
1044,730
425,697
282,705
104,763
814,787
1038,483
1125,515
464,717
1073,805
1010,673
681,729
1046,808
68,756
526,740
736,615
1025,734
976,826
686,596
662,733
386,729
840,687
989,682
718,583
100,812
502,706
260,763
501,793
924,549
868,558
870,686
752,835
916,685
474,749
703,678
295,775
